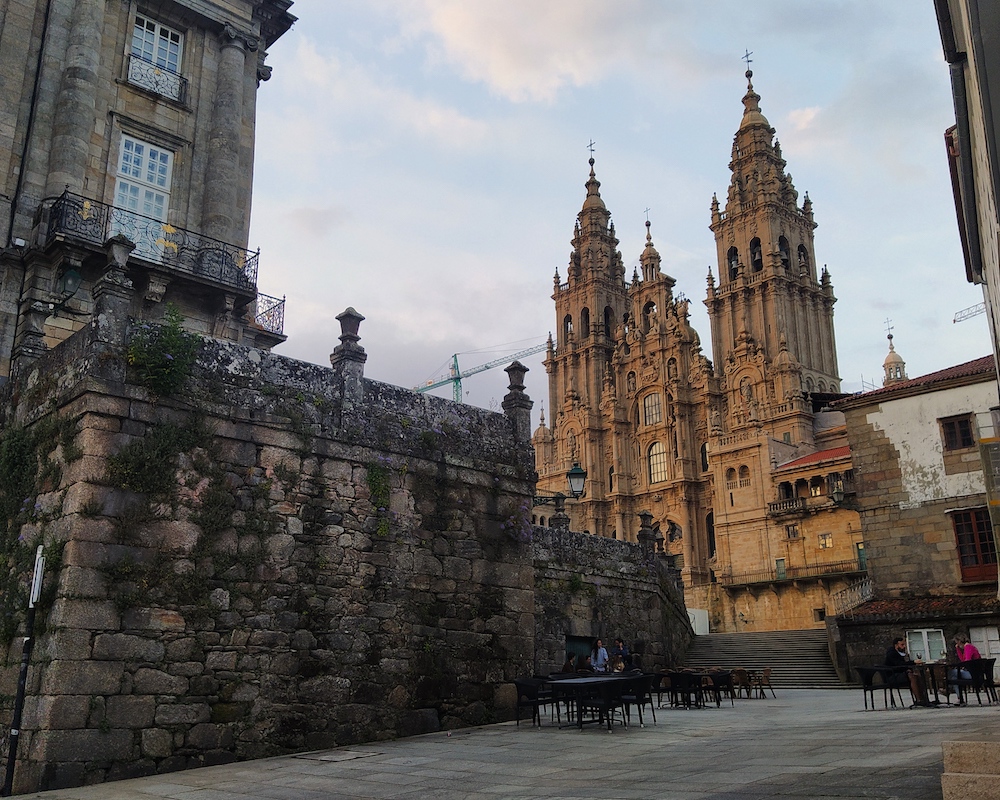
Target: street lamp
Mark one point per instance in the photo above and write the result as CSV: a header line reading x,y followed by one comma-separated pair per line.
x,y
577,479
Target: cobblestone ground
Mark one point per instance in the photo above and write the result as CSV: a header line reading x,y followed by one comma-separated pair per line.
x,y
805,744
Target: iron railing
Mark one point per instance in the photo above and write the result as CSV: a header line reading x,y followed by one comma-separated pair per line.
x,y
853,596
161,80
271,313
76,217
791,573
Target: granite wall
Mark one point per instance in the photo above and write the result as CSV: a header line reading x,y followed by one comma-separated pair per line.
x,y
278,557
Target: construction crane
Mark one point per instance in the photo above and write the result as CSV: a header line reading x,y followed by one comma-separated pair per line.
x,y
456,374
971,311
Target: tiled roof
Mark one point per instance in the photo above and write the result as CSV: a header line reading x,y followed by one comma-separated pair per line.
x,y
948,605
979,366
821,455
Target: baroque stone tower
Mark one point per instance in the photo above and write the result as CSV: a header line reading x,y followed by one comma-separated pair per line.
x,y
737,463
135,120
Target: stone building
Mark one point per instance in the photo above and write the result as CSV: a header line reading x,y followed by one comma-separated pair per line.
x,y
738,459
922,496
134,119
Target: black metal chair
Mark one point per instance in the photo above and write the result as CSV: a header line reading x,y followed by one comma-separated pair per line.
x,y
685,690
976,668
529,695
722,685
602,703
869,685
638,692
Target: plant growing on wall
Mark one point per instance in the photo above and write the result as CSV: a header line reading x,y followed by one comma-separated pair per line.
x,y
160,357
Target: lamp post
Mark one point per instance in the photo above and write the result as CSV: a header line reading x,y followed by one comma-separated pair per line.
x,y
577,480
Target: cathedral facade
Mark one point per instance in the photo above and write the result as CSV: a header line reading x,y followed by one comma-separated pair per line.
x,y
745,470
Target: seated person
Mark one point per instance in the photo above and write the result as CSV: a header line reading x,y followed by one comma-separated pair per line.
x,y
584,664
619,648
966,651
570,665
897,657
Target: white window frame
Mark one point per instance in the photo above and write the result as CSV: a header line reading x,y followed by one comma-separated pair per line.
x,y
927,644
657,461
142,189
155,56
824,541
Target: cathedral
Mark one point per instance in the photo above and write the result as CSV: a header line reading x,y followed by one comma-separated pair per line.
x,y
738,458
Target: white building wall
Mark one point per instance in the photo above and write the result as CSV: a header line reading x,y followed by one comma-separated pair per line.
x,y
911,424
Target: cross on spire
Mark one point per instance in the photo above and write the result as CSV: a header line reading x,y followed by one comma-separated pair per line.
x,y
647,215
888,327
590,147
746,57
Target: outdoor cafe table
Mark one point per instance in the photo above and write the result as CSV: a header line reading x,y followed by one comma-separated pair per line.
x,y
582,688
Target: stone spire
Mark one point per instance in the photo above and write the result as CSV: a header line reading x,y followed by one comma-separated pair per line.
x,y
650,259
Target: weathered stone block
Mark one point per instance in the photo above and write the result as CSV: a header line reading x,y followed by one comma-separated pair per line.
x,y
127,647
221,660
61,712
157,743
183,714
153,619
207,736
154,681
130,711
82,745
82,677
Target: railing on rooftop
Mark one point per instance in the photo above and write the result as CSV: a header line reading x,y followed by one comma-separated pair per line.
x,y
810,571
271,313
794,505
158,242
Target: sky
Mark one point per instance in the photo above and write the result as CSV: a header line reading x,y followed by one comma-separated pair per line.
x,y
423,161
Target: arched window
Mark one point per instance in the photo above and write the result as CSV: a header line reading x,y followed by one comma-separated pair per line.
x,y
609,322
785,491
657,463
756,256
584,323
710,530
568,327
652,411
744,476
730,478
704,458
648,314
733,262
803,257
611,479
817,486
784,252
672,368
809,384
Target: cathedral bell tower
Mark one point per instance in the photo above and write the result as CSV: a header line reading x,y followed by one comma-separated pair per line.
x,y
770,309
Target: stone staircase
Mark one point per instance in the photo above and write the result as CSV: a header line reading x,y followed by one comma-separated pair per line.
x,y
798,659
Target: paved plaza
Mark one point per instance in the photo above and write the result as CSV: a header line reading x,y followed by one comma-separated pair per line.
x,y
805,744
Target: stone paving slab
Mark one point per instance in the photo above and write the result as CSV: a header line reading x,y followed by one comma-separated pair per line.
x,y
804,745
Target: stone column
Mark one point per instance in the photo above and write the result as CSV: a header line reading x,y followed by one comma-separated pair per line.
x,y
222,169
516,404
73,120
348,358
112,303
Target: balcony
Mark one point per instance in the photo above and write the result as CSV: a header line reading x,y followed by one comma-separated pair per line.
x,y
271,313
160,80
77,219
790,574
795,505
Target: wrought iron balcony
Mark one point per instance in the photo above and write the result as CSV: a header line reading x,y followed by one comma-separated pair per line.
x,y
271,313
807,572
176,249
157,79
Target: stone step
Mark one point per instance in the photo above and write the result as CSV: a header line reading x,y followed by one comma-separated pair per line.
x,y
798,659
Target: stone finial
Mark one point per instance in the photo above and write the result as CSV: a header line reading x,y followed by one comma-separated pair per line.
x,y
348,358
516,404
646,535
